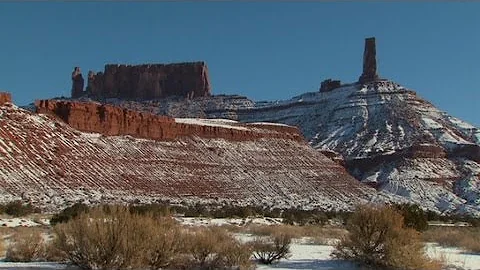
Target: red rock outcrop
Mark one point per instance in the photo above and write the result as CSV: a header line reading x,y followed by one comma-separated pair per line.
x,y
5,97
369,62
143,82
112,121
329,84
77,83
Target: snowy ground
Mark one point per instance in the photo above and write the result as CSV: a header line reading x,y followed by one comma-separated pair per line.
x,y
304,255
454,258
12,222
191,221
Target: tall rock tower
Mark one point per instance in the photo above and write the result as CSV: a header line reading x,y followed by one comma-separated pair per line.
x,y
369,62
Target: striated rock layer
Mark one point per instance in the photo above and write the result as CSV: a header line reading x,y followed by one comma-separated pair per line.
x,y
153,81
47,162
388,136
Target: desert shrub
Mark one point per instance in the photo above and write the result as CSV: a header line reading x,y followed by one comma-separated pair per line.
x,y
52,253
377,238
198,210
166,243
214,248
318,234
474,221
154,209
413,216
463,237
304,217
19,209
108,237
235,255
26,245
272,248
2,246
204,244
69,213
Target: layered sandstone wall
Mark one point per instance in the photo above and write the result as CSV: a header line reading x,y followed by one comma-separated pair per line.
x,y
144,82
112,121
5,97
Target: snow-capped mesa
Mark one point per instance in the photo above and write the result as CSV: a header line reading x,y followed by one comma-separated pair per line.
x,y
387,136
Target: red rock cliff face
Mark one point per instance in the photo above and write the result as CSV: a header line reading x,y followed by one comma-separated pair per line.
x,y
143,82
5,97
110,120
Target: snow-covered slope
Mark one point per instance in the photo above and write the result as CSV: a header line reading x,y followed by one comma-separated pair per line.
x,y
389,137
46,162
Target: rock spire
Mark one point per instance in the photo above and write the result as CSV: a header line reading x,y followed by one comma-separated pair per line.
x,y
369,62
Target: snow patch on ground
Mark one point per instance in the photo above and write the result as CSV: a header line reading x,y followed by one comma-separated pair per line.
x,y
454,257
308,256
34,266
305,256
12,222
193,221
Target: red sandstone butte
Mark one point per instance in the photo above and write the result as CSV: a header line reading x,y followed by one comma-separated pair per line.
x,y
150,81
5,97
112,121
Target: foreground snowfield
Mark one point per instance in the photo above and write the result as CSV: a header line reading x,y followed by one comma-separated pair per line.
x,y
307,256
304,255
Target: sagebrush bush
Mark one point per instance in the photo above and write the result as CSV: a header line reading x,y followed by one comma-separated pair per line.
x,y
2,246
114,237
272,248
69,213
214,248
313,231
157,210
19,209
235,255
53,254
304,217
413,216
26,245
377,238
165,244
108,237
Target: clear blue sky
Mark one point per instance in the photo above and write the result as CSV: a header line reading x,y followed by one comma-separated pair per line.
x,y
265,51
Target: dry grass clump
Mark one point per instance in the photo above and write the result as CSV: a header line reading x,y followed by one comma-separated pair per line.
x,y
377,238
214,248
166,241
108,237
26,245
321,235
2,246
462,237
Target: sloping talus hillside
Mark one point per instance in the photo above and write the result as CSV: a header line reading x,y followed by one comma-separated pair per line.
x,y
47,162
